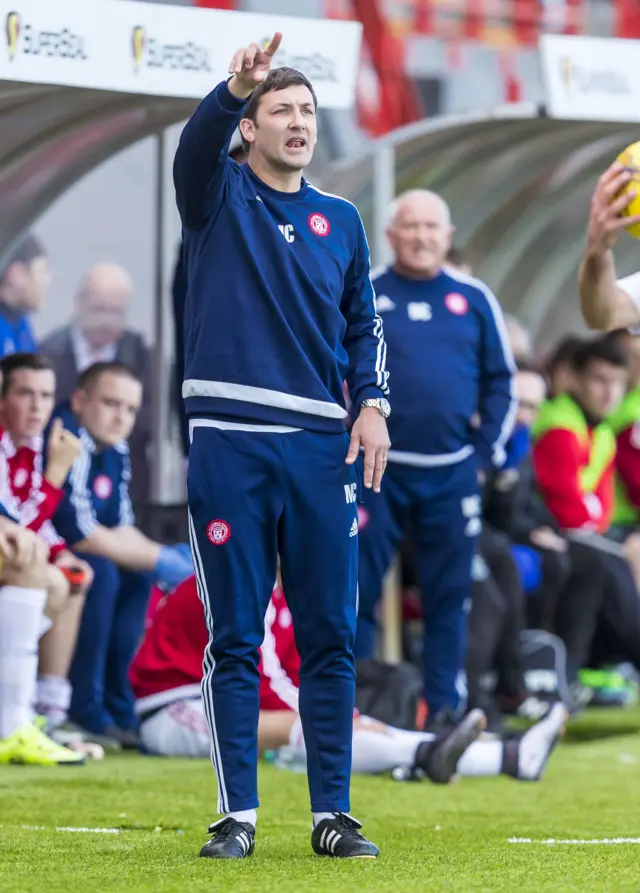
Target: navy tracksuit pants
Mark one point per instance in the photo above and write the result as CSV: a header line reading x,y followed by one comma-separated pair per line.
x,y
110,631
441,508
251,496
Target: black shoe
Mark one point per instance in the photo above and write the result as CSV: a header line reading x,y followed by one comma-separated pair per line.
x,y
231,840
340,837
439,758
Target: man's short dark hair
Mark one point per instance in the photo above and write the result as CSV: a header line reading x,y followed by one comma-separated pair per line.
x,y
91,375
607,349
277,79
563,352
14,362
26,250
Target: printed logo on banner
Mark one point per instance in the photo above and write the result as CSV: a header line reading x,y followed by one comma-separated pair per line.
x,y
315,66
137,45
149,52
29,40
580,79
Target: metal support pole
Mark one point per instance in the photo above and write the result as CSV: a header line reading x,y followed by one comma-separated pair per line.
x,y
159,401
384,190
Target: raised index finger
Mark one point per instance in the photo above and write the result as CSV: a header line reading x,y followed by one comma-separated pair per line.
x,y
272,49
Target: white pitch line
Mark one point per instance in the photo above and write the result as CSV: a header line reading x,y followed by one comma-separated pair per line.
x,y
606,841
73,830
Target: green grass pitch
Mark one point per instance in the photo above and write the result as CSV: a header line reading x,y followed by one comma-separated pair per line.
x,y
453,839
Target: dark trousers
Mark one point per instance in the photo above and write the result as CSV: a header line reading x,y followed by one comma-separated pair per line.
x,y
441,507
110,631
495,623
598,608
253,495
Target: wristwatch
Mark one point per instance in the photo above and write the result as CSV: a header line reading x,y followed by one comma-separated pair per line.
x,y
383,406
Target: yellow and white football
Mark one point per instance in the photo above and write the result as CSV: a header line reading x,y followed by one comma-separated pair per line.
x,y
630,159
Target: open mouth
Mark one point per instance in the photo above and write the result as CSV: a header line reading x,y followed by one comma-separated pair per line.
x,y
296,142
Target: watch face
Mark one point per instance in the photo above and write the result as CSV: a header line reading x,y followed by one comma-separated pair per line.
x,y
385,406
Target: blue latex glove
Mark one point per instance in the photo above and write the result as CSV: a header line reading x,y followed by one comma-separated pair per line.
x,y
174,565
517,448
529,564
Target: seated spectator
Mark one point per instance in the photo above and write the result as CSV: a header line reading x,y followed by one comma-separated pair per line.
x,y
24,281
23,602
574,460
26,404
559,365
513,505
98,332
574,448
95,517
167,671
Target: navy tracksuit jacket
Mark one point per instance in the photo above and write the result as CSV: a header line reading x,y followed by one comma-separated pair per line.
x,y
449,360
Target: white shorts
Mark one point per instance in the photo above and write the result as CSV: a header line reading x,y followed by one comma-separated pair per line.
x,y
177,730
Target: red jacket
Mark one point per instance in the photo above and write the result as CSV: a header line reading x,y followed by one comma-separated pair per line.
x,y
168,664
575,468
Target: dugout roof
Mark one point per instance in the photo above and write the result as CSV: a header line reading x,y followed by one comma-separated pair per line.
x,y
518,184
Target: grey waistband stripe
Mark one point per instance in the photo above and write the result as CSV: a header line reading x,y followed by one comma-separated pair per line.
x,y
418,460
240,426
200,387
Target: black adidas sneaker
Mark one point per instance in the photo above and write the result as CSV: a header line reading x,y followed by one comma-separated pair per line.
x,y
438,759
340,837
231,840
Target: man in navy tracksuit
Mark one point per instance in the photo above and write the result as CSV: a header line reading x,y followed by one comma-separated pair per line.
x,y
453,411
279,312
95,518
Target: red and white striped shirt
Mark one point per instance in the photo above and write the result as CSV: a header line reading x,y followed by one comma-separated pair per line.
x,y
168,665
25,492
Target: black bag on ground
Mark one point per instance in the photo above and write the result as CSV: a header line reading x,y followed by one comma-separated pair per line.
x,y
545,672
388,692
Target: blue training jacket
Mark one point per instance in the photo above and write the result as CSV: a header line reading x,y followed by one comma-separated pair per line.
x,y
97,488
16,334
279,308
449,358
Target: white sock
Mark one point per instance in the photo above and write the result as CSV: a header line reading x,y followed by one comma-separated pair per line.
x,y
250,816
321,816
375,752
536,744
481,758
53,699
20,614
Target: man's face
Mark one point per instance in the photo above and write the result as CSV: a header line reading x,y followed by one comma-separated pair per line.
x,y
286,129
27,284
531,392
28,405
102,314
109,408
601,387
420,236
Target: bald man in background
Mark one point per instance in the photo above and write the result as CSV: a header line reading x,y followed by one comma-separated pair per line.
x,y
97,333
450,359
